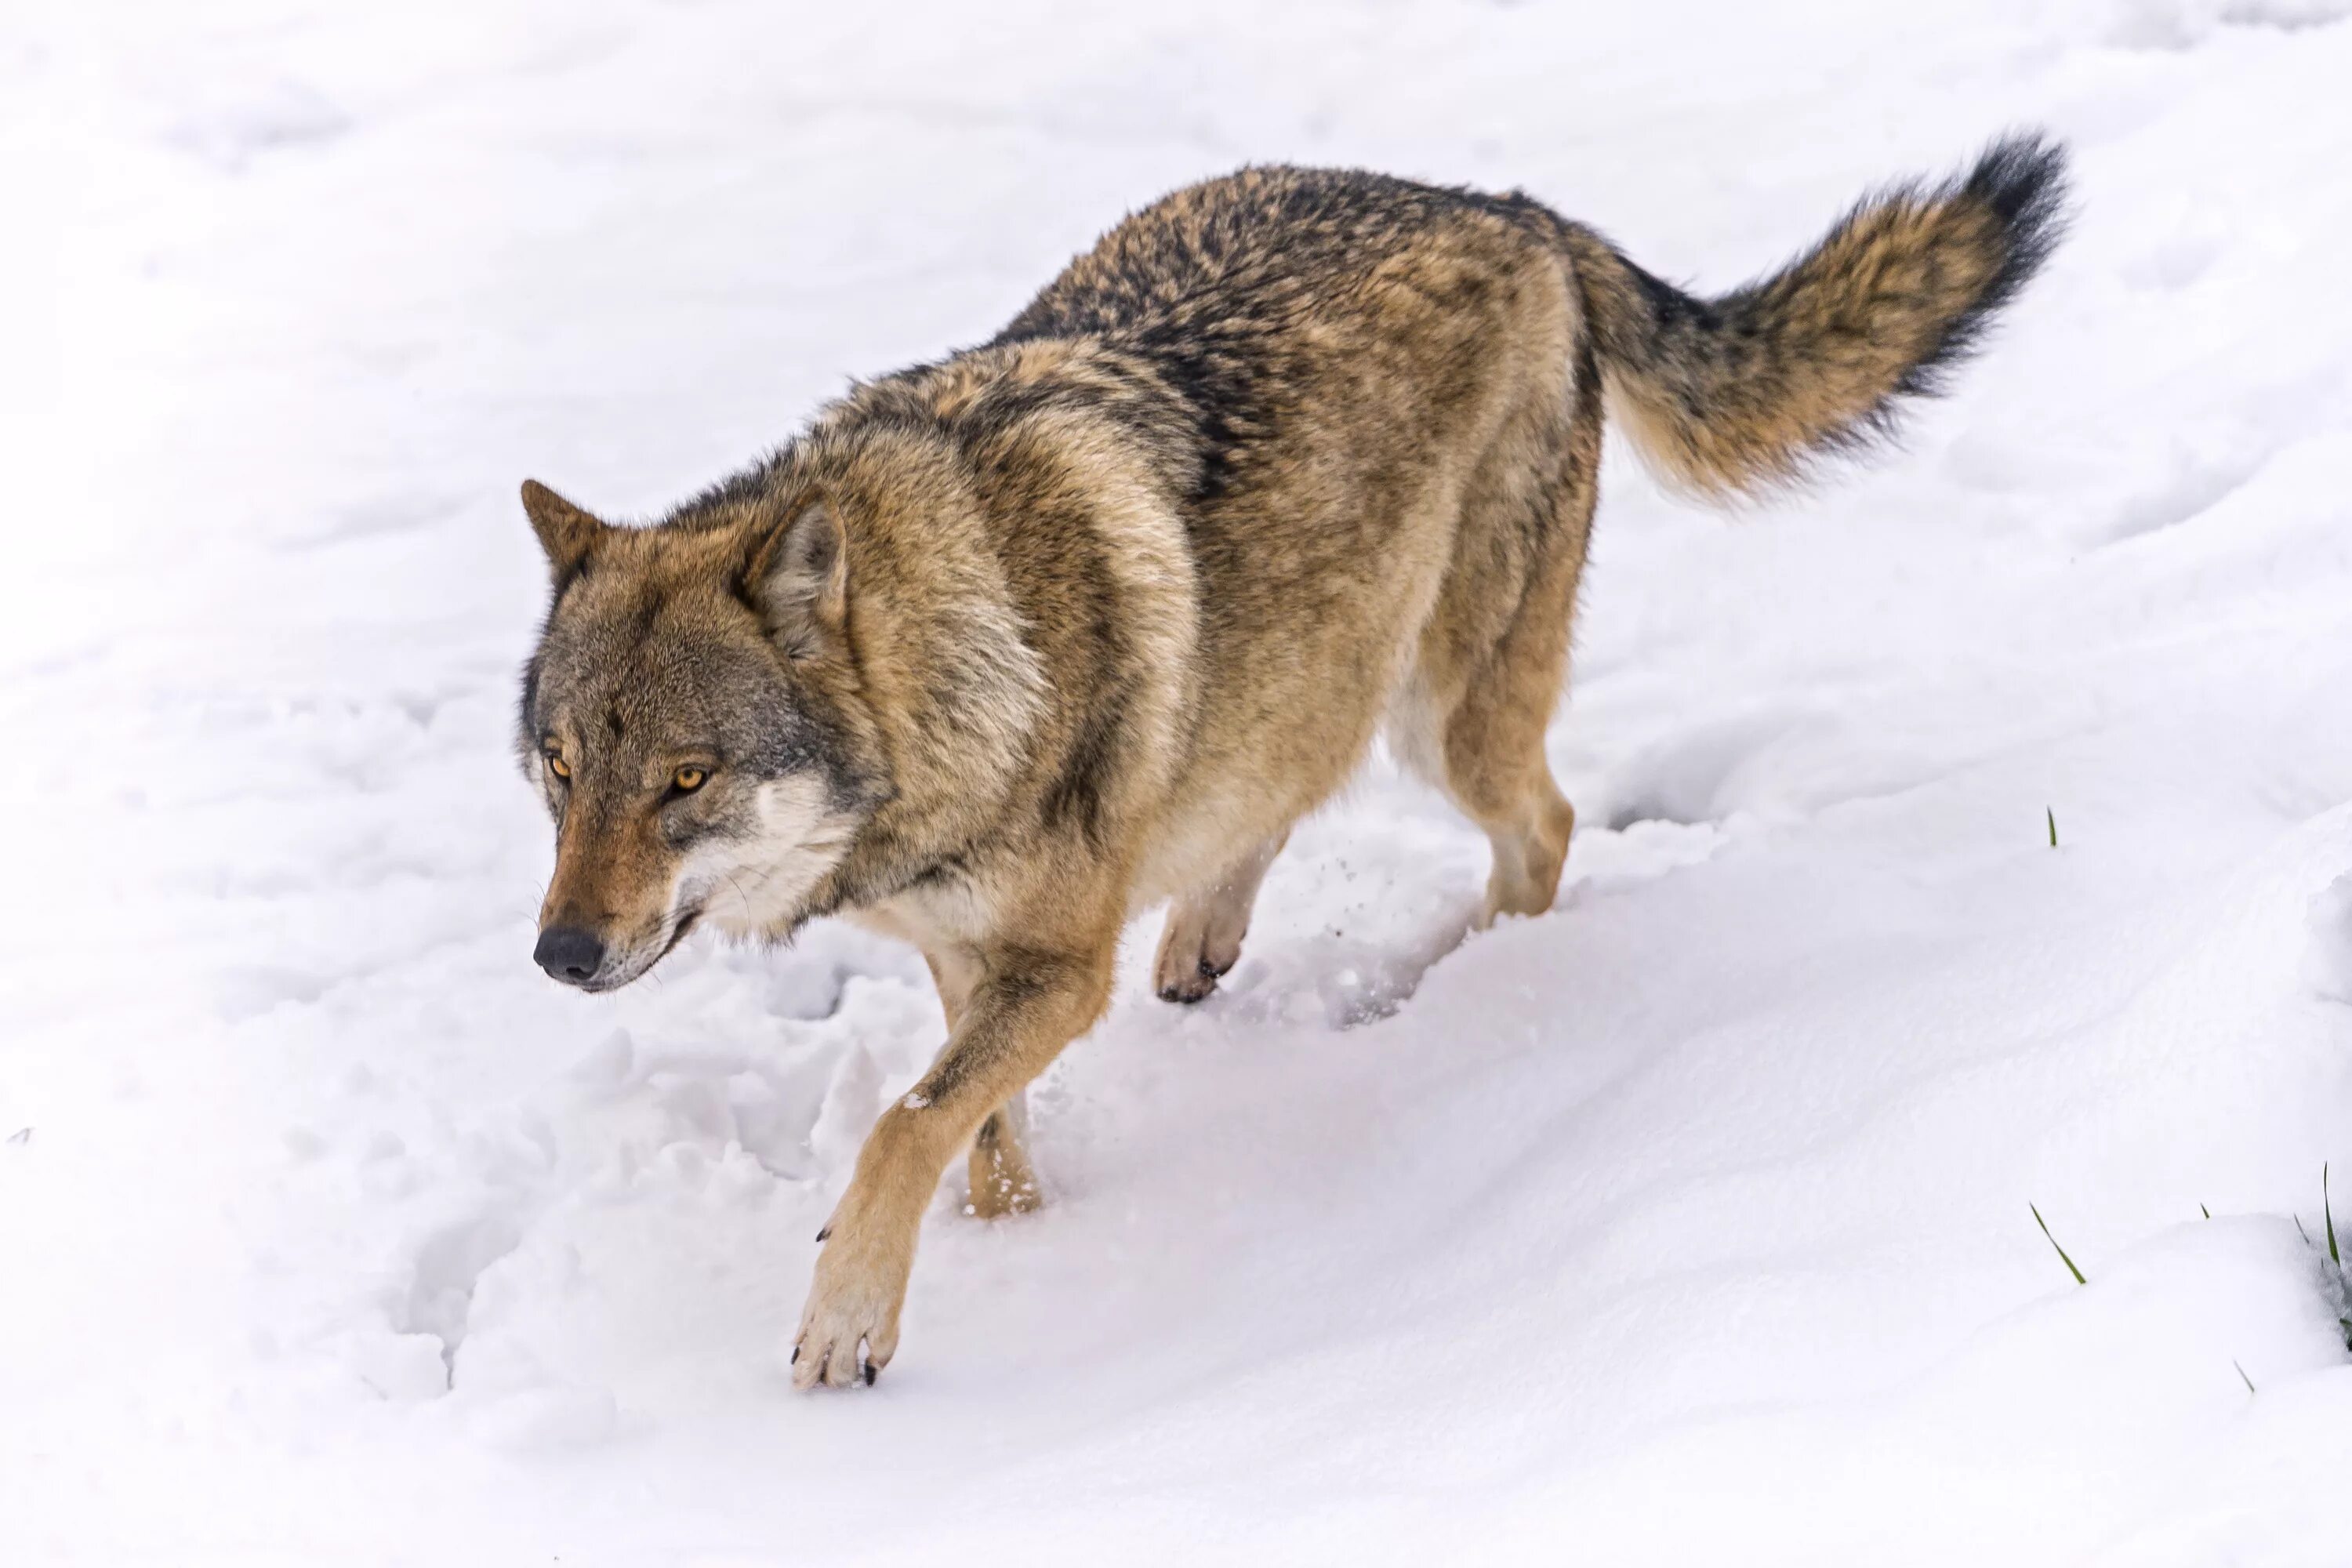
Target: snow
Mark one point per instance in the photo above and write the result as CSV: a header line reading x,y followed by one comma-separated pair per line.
x,y
1687,1223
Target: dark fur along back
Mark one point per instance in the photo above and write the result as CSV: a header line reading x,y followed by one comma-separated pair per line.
x,y
1217,287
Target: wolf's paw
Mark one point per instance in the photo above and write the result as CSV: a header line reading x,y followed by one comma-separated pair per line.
x,y
1194,954
849,1330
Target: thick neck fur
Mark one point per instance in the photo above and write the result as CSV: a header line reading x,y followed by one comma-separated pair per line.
x,y
1004,615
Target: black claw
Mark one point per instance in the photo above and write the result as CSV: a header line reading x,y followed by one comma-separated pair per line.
x,y
796,1357
825,1231
872,1372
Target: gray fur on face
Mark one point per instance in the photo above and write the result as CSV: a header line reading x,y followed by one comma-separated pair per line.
x,y
643,672
629,686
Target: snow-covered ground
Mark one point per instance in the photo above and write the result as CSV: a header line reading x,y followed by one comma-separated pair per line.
x,y
1689,1224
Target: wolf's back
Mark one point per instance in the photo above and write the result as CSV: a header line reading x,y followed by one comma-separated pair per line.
x,y
1741,392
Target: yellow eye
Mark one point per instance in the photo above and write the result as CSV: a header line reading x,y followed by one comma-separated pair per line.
x,y
686,781
558,766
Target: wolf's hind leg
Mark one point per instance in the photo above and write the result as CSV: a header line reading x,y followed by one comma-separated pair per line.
x,y
1204,930
1496,770
1485,733
1531,845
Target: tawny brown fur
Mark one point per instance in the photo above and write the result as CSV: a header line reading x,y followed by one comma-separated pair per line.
x,y
1008,648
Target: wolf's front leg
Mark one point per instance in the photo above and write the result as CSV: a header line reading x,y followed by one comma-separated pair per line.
x,y
1002,1181
1028,1005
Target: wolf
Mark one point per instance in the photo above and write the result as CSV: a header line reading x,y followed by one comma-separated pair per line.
x,y
1006,650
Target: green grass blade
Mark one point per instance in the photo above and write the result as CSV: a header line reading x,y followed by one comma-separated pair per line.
x,y
2062,1251
2243,1378
2203,1210
2052,816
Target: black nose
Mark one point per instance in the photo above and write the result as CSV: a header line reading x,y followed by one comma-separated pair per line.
x,y
568,953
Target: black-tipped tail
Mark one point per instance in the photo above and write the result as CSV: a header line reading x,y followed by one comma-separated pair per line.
x,y
1748,390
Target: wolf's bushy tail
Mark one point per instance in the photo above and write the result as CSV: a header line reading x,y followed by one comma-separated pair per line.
x,y
1746,391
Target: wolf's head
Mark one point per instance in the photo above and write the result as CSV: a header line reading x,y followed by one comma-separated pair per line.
x,y
692,716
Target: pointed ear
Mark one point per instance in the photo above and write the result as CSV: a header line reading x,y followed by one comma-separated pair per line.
x,y
565,532
797,577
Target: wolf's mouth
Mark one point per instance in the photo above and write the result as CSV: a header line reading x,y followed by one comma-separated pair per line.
x,y
686,924
637,971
